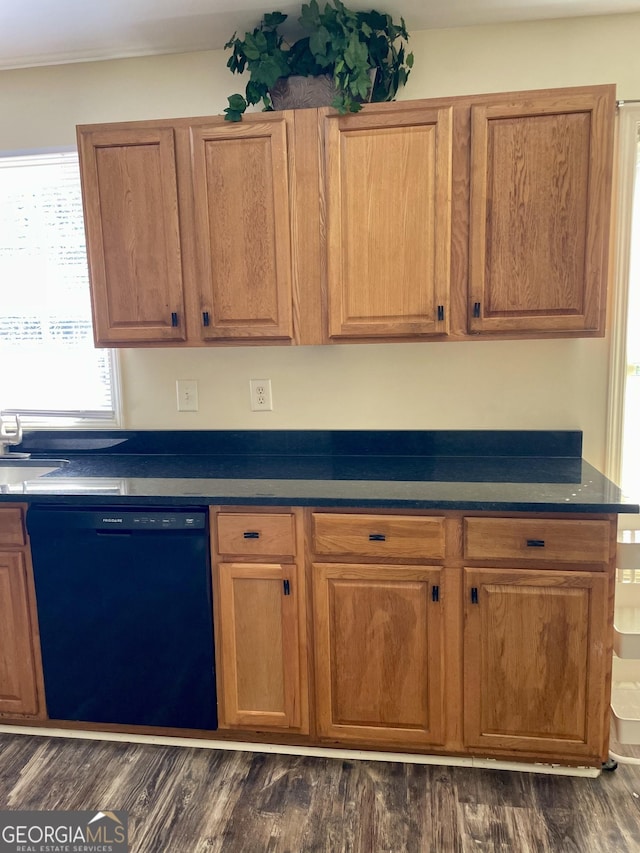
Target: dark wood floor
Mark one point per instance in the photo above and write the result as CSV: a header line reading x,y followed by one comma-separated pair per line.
x,y
183,800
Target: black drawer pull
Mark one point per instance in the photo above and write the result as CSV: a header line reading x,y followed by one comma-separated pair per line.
x,y
174,318
435,593
377,537
476,309
440,313
287,587
474,594
251,534
205,318
535,543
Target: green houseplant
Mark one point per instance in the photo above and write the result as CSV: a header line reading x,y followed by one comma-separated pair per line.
x,y
363,52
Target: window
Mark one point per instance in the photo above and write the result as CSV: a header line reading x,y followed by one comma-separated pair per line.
x,y
51,371
624,407
630,474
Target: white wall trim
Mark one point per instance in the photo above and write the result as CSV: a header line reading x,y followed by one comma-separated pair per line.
x,y
315,751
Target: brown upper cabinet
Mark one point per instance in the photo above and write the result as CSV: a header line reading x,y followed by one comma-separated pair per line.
x,y
188,230
483,216
388,198
131,211
540,198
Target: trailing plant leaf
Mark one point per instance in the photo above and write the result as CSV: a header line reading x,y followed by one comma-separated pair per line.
x,y
237,105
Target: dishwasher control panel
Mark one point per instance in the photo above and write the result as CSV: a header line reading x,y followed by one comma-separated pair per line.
x,y
145,520
63,520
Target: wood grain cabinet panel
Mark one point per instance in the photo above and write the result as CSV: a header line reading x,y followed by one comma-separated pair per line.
x,y
21,681
535,661
541,539
188,230
18,678
261,534
259,647
242,221
378,649
540,198
130,196
474,215
12,527
390,536
388,198
260,621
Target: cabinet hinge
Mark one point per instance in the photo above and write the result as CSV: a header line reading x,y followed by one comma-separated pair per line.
x,y
435,593
287,587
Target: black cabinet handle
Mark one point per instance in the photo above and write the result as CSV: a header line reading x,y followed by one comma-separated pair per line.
x,y
535,543
205,318
435,593
474,594
174,318
476,309
440,312
287,587
377,537
251,534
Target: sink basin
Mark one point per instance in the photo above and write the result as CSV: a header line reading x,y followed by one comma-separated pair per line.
x,y
19,471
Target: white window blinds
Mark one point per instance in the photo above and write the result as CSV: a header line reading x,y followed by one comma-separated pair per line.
x,y
49,365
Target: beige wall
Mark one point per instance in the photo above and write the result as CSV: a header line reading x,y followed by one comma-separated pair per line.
x,y
468,385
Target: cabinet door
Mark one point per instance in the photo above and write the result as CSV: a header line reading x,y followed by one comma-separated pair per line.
x,y
534,661
133,239
378,653
540,201
388,244
259,650
242,222
18,693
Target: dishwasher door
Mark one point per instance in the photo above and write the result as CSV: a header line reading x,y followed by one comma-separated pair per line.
x,y
125,615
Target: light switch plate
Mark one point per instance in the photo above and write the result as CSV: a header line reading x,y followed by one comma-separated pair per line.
x,y
187,394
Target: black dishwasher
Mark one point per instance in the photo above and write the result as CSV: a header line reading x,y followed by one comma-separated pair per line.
x,y
125,614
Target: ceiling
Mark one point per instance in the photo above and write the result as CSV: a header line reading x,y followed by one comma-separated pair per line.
x,y
44,32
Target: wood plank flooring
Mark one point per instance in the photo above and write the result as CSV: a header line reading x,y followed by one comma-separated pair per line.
x,y
183,800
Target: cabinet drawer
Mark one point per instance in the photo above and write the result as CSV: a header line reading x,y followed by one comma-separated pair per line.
x,y
378,535
536,539
259,534
11,527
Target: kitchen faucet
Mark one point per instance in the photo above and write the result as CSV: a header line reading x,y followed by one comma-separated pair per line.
x,y
9,435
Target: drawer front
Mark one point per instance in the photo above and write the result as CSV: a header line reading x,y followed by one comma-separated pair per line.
x,y
258,534
536,539
11,527
378,536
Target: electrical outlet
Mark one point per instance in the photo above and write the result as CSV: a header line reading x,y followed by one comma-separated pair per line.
x,y
261,400
187,394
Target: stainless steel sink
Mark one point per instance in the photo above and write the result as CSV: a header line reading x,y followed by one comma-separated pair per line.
x,y
14,471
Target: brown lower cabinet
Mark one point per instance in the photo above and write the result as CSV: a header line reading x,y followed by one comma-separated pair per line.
x,y
453,633
463,633
260,621
534,660
378,639
20,665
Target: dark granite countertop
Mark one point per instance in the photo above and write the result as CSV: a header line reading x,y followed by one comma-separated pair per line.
x,y
525,471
